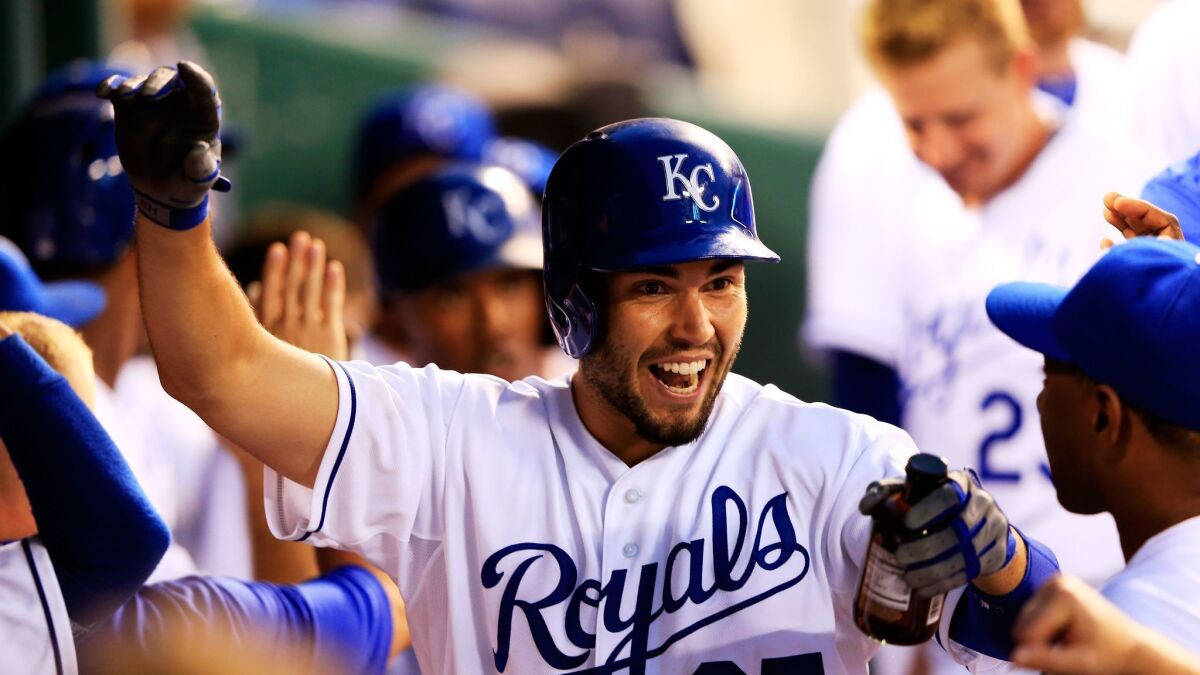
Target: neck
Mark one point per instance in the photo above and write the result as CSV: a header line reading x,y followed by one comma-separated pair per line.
x,y
1054,62
1035,133
1173,497
608,426
115,335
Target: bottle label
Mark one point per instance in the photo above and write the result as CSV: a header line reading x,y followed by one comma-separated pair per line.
x,y
885,580
935,609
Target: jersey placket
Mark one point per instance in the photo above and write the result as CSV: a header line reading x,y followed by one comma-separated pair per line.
x,y
624,548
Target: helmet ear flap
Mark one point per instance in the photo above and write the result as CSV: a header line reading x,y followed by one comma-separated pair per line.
x,y
575,322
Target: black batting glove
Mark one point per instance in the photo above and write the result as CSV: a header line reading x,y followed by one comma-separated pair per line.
x,y
167,125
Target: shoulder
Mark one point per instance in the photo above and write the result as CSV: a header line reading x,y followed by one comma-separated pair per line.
x,y
821,430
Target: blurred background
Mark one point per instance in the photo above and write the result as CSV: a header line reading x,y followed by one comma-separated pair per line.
x,y
769,76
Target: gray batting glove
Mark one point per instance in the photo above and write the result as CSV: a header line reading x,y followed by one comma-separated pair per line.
x,y
167,124
968,537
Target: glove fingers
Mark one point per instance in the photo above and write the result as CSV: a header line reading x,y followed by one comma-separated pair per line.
x,y
943,501
106,88
130,86
877,492
926,549
159,83
944,585
925,576
200,87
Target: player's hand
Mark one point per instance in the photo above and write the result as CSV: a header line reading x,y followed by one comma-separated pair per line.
x,y
301,295
167,136
1067,627
1138,218
967,534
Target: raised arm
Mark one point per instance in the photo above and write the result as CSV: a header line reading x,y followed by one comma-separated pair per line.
x,y
276,401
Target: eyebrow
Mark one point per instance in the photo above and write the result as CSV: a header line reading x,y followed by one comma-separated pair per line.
x,y
672,273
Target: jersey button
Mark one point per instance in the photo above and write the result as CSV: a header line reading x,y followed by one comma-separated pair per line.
x,y
629,550
633,495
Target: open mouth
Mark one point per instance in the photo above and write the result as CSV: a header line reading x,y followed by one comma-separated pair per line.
x,y
680,377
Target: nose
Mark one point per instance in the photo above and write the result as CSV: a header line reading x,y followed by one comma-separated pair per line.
x,y
693,322
492,314
937,146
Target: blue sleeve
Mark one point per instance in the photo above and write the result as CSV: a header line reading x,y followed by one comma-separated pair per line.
x,y
864,385
984,622
101,533
344,615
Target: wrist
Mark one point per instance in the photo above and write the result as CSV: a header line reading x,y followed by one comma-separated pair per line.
x,y
171,217
1007,578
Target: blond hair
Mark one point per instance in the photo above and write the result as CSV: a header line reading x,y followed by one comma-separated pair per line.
x,y
899,33
54,340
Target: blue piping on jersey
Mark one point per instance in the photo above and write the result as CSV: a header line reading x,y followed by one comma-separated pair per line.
x,y
37,581
341,453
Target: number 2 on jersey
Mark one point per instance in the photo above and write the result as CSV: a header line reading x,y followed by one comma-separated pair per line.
x,y
1015,418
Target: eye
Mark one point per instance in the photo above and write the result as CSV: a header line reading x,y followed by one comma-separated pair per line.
x,y
651,288
720,284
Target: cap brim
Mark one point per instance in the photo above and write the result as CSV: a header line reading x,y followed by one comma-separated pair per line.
x,y
729,245
74,303
1025,312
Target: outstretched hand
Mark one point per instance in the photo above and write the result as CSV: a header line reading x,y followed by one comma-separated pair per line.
x,y
301,296
167,125
1138,218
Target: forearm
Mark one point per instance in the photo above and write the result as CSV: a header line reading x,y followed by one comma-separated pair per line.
x,y
276,401
101,533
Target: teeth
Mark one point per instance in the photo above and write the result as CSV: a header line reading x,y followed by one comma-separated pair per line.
x,y
684,368
692,385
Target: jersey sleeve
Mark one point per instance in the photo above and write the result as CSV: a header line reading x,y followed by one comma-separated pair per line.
x,y
882,450
339,622
381,478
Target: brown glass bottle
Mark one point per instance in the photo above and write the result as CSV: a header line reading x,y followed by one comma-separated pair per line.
x,y
885,608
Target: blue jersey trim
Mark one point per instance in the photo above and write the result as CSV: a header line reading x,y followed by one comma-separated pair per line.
x,y
37,581
341,454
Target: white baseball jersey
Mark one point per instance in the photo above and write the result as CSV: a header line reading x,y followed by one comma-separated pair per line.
x,y
522,545
193,484
1162,57
1160,587
33,617
969,391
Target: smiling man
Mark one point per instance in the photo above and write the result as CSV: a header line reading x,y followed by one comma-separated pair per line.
x,y
651,513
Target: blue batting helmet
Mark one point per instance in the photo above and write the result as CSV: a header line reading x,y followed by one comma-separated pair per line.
x,y
69,205
425,120
529,160
460,218
635,194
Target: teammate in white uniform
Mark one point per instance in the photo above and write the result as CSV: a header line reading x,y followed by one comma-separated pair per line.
x,y
70,214
1018,201
1119,411
514,515
1162,61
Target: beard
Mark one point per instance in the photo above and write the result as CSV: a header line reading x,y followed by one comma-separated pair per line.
x,y
607,370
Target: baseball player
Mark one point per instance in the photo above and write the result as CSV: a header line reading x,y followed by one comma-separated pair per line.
x,y
68,201
1118,413
457,257
1013,198
653,512
1162,57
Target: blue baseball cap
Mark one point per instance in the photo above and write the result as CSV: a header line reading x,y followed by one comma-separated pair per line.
x,y
75,303
426,120
69,205
1131,322
529,160
1177,189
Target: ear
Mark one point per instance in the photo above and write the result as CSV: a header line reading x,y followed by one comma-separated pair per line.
x,y
1110,421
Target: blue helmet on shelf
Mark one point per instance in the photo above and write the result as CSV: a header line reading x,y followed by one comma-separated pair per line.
x,y
635,194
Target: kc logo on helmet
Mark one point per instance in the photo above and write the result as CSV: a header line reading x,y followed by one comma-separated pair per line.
x,y
691,182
